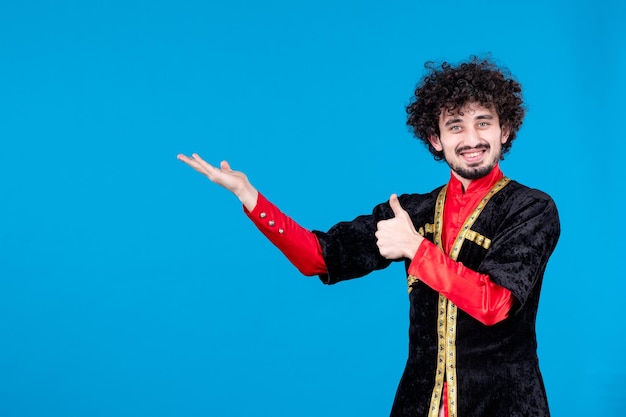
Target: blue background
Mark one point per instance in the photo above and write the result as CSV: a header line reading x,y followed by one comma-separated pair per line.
x,y
130,285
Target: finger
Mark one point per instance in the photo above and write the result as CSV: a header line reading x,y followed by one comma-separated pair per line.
x,y
395,205
207,168
189,161
194,161
201,161
199,164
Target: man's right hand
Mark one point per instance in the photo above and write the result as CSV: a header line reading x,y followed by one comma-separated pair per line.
x,y
235,181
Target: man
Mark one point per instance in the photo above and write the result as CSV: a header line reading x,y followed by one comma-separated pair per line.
x,y
475,250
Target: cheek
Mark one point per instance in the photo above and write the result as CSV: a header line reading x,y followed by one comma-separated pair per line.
x,y
449,144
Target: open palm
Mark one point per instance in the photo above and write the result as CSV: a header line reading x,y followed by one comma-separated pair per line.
x,y
235,181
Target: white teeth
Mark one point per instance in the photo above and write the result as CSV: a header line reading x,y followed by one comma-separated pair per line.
x,y
472,154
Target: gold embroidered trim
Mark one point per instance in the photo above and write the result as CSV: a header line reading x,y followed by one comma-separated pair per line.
x,y
411,279
427,228
478,239
435,399
451,358
447,314
442,348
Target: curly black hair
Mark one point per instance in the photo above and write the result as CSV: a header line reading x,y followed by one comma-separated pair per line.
x,y
448,88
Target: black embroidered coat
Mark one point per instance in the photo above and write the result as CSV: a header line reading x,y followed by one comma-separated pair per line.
x,y
494,368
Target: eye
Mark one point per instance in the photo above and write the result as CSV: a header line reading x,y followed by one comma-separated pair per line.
x,y
483,124
455,128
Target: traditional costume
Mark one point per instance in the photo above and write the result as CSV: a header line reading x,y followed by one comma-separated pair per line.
x,y
473,285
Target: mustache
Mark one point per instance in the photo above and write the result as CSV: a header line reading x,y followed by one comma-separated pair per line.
x,y
480,147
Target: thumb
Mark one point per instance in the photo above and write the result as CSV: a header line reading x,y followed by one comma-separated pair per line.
x,y
225,166
395,205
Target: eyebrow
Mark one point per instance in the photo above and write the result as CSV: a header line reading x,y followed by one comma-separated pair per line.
x,y
453,121
459,120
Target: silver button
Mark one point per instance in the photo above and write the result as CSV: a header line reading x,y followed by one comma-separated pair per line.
x,y
281,231
263,215
271,223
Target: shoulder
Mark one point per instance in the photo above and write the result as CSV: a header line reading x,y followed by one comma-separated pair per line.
x,y
419,199
518,204
519,195
414,204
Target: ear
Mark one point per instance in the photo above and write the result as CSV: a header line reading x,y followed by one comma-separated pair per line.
x,y
506,131
435,142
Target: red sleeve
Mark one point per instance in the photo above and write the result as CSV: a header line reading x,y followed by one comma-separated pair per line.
x,y
298,244
471,291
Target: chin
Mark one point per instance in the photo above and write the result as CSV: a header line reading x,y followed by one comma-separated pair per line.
x,y
473,173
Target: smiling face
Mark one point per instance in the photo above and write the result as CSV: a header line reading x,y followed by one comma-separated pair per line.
x,y
471,140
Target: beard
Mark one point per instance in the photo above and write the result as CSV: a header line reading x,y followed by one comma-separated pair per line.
x,y
475,171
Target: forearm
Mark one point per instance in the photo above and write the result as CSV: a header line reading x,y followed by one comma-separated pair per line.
x,y
471,291
298,244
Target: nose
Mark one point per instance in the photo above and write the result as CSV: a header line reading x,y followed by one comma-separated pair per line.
x,y
472,138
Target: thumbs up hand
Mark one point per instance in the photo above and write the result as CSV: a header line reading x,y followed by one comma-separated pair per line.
x,y
397,237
